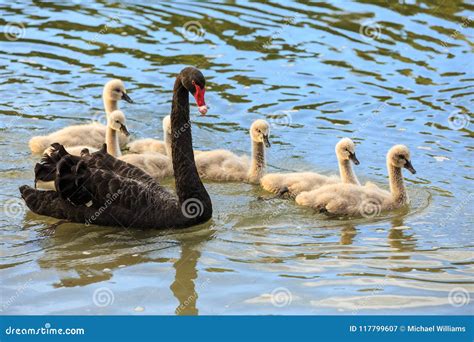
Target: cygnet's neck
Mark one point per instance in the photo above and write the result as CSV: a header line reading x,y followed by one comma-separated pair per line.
x,y
112,141
257,167
167,140
346,172
397,185
109,105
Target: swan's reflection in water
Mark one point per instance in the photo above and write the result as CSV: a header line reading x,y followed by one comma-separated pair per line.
x,y
184,287
400,238
348,232
71,251
113,249
84,255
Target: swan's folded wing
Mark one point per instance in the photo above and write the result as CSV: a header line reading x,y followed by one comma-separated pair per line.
x,y
332,198
50,203
125,202
102,160
41,202
80,184
97,196
97,160
71,178
347,199
45,170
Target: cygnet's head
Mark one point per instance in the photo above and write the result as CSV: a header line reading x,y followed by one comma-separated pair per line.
x,y
259,132
115,90
167,124
399,156
345,150
116,120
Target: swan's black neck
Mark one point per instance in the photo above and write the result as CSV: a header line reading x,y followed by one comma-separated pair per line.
x,y
189,187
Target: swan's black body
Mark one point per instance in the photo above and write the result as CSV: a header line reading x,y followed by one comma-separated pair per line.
x,y
100,189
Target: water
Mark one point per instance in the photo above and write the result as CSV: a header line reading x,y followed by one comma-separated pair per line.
x,y
379,72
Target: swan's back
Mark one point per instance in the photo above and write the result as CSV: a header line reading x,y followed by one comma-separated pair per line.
x,y
125,195
346,199
156,165
147,145
75,150
222,165
296,182
92,135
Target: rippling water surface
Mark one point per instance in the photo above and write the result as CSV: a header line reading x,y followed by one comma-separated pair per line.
x,y
379,72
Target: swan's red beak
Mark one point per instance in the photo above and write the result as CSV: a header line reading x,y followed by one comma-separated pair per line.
x,y
203,110
199,97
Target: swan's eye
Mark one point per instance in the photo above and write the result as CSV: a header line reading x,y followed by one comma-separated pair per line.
x,y
117,90
117,121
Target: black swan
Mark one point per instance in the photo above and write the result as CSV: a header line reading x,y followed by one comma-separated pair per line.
x,y
100,189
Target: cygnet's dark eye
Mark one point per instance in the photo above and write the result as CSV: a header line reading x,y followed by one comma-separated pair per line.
x,y
117,90
117,121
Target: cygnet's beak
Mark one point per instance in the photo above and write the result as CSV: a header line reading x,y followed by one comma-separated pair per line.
x,y
352,156
202,109
126,98
266,141
409,167
124,130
